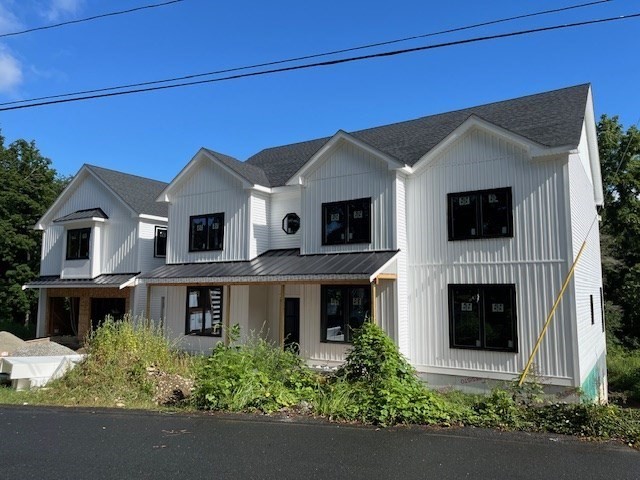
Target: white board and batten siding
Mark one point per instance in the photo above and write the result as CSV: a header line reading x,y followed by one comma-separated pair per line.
x,y
535,259
587,282
282,203
117,245
209,189
346,173
259,205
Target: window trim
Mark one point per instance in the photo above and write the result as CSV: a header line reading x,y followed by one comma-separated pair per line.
x,y
208,249
187,326
155,242
479,194
80,230
346,288
345,204
481,286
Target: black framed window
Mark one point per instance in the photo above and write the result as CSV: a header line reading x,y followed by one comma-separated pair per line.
x,y
204,311
344,309
78,243
206,232
483,317
346,222
593,317
160,242
480,214
291,223
602,308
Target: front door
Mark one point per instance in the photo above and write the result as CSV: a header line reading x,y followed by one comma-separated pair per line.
x,y
292,324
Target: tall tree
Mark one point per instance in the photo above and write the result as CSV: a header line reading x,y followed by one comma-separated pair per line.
x,y
29,186
620,160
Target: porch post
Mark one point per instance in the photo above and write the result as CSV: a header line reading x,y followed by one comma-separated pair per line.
x,y
374,317
281,318
147,308
227,316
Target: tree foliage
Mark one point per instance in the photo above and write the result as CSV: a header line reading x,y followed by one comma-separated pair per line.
x,y
29,186
620,240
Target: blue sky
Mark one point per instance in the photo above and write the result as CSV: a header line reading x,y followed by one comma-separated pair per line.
x,y
155,134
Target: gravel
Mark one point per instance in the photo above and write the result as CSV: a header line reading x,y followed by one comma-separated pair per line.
x,y
42,349
9,343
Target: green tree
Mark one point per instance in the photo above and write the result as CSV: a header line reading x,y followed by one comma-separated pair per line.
x,y
29,186
620,161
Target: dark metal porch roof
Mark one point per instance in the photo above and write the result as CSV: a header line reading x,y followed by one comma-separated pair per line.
x,y
275,266
116,280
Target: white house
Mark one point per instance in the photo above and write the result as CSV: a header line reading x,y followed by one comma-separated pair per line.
x,y
103,230
454,232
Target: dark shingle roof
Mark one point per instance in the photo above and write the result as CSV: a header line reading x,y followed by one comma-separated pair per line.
x,y
251,173
552,119
139,193
82,214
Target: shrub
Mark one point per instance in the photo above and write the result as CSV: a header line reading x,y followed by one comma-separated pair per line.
x,y
380,385
623,368
254,376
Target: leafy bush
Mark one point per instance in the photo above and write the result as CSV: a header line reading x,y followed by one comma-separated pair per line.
x,y
376,384
623,368
18,329
253,376
115,370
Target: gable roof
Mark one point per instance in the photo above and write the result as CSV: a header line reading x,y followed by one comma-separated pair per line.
x,y
83,214
139,193
251,173
551,119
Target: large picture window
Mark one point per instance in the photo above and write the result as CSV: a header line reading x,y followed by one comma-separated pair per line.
x,y
160,243
78,243
346,222
480,214
204,311
344,309
483,317
206,232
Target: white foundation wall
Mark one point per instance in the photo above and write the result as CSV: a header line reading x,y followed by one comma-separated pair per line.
x,y
348,173
535,259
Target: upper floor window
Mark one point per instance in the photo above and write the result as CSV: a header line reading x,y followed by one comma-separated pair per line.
x,y
346,222
160,242
291,223
483,317
480,214
206,232
78,243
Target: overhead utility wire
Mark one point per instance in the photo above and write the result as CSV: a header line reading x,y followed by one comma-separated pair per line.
x,y
328,62
87,19
308,57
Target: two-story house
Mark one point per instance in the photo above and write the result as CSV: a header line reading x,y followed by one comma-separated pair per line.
x,y
454,232
101,232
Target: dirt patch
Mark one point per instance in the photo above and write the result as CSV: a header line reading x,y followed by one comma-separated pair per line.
x,y
9,343
170,388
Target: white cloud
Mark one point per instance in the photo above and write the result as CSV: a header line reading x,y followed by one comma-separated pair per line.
x,y
10,71
8,20
63,8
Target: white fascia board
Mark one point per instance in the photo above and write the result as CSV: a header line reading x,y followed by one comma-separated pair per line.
x,y
153,218
132,282
40,224
594,155
535,149
342,136
260,188
312,279
386,265
80,221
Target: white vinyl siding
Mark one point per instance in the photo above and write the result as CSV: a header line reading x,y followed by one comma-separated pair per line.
x,y
346,173
282,203
146,242
209,189
535,259
259,241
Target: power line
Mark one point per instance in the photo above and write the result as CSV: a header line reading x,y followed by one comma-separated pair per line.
x,y
308,57
87,19
328,62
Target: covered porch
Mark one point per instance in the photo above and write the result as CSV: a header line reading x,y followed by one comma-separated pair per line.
x,y
312,301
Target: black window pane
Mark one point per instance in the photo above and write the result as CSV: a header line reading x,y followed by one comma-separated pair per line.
x,y
73,242
496,213
334,314
335,223
194,310
78,243
359,221
359,307
499,317
161,242
463,216
466,316
198,233
216,231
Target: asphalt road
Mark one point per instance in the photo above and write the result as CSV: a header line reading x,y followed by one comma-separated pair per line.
x,y
57,443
